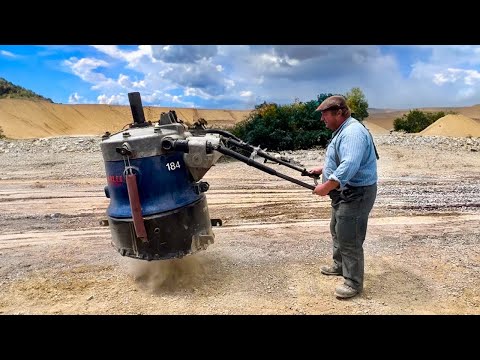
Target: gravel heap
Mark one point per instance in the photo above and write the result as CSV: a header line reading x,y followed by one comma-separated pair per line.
x,y
91,144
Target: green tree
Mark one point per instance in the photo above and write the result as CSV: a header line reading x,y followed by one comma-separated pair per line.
x,y
284,127
357,103
320,98
415,120
295,126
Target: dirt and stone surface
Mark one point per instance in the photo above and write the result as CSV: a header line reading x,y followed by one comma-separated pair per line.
x,y
422,252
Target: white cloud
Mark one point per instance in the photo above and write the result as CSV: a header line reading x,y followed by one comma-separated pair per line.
x,y
75,98
183,54
126,82
447,76
85,69
7,53
112,100
235,74
132,58
471,77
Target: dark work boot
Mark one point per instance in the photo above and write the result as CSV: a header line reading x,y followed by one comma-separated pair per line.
x,y
331,270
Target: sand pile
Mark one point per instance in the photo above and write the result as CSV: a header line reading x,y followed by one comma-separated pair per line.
x,y
453,125
23,119
374,128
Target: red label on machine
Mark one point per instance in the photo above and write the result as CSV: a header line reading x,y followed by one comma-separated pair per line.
x,y
115,179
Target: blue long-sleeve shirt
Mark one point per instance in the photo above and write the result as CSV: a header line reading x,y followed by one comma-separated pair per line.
x,y
350,157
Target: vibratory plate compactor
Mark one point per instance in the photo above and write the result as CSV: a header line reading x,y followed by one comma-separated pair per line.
x,y
158,209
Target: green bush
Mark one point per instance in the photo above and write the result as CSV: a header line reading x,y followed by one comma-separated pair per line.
x,y
284,127
2,135
416,120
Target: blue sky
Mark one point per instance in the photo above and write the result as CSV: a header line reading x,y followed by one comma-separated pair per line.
x,y
241,76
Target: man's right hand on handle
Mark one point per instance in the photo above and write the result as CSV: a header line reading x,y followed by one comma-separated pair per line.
x,y
316,170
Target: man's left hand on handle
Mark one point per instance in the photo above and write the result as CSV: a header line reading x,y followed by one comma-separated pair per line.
x,y
325,188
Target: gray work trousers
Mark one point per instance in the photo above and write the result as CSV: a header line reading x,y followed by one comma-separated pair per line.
x,y
348,226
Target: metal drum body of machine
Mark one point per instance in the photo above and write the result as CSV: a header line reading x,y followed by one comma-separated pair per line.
x,y
158,208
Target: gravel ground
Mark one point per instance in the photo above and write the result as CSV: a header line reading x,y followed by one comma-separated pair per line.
x,y
422,251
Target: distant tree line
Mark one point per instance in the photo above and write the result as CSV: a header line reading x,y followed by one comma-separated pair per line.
x,y
294,126
9,90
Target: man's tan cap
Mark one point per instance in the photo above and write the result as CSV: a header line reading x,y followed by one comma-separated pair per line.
x,y
333,102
